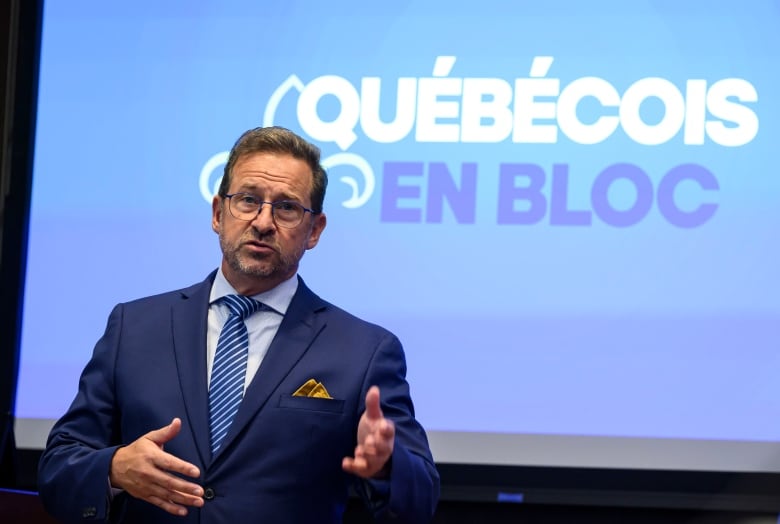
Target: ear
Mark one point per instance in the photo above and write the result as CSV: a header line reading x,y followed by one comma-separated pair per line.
x,y
317,227
216,213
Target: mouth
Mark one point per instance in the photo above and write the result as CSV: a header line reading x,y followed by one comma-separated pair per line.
x,y
256,247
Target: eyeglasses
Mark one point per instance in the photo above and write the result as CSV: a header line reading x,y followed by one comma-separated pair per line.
x,y
245,206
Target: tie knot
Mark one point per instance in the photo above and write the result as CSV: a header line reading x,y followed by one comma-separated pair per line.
x,y
241,305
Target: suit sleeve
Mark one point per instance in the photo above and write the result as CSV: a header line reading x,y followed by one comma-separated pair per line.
x,y
74,468
412,491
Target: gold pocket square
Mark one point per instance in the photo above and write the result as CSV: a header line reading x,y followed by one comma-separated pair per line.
x,y
312,388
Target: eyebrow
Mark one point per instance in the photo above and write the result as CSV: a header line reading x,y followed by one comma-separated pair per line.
x,y
255,190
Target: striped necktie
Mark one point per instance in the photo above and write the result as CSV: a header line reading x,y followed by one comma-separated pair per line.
x,y
228,373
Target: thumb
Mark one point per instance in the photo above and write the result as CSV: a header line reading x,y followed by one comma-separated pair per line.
x,y
165,433
373,409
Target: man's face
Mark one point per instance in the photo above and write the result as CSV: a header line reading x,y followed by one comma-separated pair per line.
x,y
257,255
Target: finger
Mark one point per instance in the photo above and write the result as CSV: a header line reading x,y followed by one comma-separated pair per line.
x,y
173,483
166,433
155,489
185,499
150,480
377,448
369,445
378,457
373,409
357,466
382,436
386,430
170,507
168,462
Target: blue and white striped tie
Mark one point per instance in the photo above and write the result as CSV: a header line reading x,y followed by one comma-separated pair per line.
x,y
226,389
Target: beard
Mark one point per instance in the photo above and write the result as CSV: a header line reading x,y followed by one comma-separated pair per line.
x,y
260,266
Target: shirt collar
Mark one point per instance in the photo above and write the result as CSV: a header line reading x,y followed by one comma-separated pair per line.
x,y
278,298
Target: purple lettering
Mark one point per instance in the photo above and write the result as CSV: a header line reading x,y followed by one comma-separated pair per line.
x,y
509,193
599,195
560,215
393,191
441,187
668,207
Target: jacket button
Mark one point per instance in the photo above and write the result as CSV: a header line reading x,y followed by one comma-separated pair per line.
x,y
209,493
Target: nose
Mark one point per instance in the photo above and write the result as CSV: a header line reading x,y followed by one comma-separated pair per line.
x,y
264,220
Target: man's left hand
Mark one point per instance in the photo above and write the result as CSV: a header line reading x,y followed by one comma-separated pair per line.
x,y
375,438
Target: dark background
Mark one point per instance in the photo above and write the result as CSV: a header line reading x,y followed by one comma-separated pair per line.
x,y
470,494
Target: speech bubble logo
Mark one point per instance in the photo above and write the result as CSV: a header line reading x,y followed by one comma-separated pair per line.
x,y
358,197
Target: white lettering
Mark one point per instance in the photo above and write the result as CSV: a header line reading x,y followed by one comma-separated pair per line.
x,y
721,106
340,129
695,112
486,99
672,120
430,108
370,120
569,121
532,110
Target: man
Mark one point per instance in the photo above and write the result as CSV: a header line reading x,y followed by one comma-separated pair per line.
x,y
177,420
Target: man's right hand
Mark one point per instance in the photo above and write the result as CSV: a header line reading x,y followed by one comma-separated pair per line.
x,y
143,470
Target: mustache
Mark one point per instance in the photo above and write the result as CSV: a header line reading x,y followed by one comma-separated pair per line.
x,y
257,236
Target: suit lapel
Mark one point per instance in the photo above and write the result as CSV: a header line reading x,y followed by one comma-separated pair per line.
x,y
297,331
189,323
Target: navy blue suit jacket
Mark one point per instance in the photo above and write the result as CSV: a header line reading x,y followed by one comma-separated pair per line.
x,y
281,459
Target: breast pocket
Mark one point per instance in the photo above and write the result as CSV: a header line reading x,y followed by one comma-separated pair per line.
x,y
321,431
327,405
